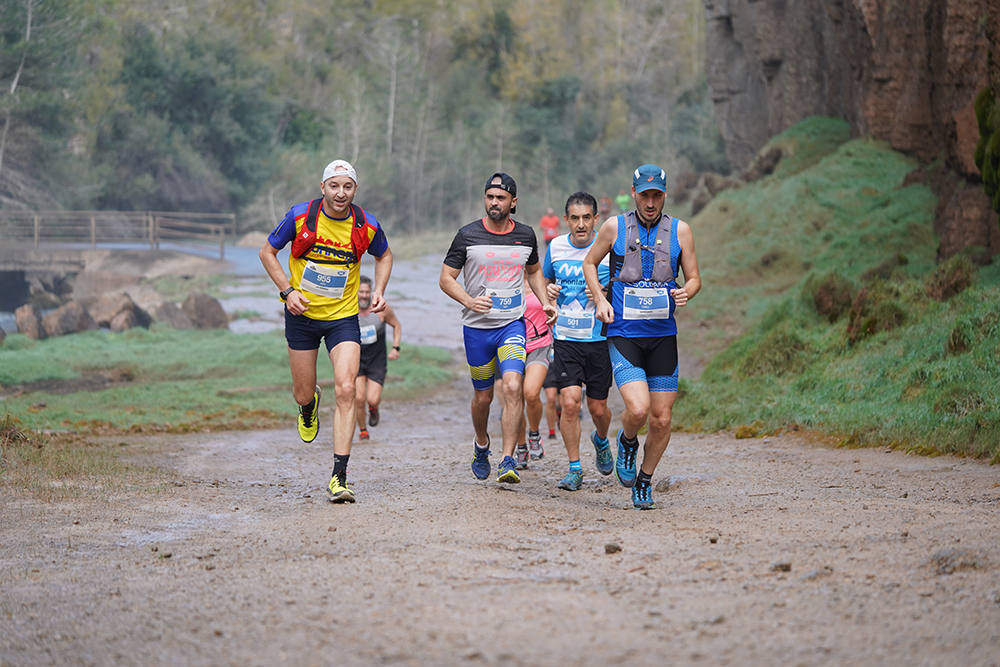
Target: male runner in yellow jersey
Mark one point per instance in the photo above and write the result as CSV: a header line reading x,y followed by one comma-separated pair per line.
x,y
328,236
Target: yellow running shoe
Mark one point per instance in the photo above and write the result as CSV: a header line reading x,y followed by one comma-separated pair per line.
x,y
337,492
309,418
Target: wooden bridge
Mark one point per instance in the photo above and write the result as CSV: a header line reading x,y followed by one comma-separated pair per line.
x,y
54,240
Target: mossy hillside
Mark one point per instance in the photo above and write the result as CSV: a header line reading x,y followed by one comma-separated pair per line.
x,y
845,213
914,359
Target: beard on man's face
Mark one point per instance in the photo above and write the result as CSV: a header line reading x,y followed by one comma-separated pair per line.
x,y
495,214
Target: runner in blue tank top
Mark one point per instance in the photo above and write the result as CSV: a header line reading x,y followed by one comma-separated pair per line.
x,y
647,248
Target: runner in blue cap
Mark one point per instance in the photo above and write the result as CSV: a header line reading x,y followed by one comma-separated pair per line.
x,y
647,248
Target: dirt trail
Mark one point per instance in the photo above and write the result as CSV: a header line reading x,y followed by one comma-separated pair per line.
x,y
762,551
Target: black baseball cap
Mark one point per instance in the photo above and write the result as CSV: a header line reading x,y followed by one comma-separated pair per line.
x,y
506,183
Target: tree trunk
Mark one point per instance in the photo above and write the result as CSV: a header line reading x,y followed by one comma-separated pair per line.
x,y
391,111
13,84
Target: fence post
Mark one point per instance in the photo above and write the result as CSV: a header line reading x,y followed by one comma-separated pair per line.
x,y
222,242
93,232
37,223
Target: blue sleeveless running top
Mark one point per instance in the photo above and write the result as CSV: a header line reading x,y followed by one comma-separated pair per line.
x,y
643,308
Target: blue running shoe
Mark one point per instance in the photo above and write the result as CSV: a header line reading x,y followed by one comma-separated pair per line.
x,y
642,497
625,462
572,481
480,461
605,464
507,471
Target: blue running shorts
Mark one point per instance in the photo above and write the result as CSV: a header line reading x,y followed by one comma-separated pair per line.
x,y
305,333
651,360
491,350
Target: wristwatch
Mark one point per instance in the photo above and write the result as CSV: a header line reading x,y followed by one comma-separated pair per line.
x,y
285,292
395,347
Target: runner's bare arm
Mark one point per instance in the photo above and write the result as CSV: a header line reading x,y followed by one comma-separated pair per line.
x,y
389,316
448,282
689,265
383,267
598,251
297,304
533,272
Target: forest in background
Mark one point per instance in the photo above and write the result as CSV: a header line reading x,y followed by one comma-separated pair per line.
x,y
236,105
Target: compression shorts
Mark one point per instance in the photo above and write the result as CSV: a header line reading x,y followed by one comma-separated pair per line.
x,y
650,360
490,350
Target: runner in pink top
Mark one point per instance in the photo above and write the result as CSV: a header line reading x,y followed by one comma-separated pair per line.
x,y
538,339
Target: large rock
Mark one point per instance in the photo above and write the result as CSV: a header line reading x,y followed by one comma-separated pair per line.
x,y
118,311
903,72
92,284
144,296
125,320
965,220
29,322
709,185
171,314
205,311
71,318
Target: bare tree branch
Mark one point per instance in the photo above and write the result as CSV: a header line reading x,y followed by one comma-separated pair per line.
x,y
13,83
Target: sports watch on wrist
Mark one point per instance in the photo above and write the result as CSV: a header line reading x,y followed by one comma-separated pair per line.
x,y
285,292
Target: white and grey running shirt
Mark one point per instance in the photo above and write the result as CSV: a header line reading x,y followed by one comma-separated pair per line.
x,y
493,264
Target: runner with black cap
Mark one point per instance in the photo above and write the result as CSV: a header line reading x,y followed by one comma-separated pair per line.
x,y
495,256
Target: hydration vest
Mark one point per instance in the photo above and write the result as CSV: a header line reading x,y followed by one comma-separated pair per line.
x,y
305,238
631,269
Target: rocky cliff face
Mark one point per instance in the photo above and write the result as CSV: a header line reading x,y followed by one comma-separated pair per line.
x,y
904,72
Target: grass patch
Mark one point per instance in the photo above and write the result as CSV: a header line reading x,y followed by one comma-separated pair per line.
x,y
59,467
856,332
169,380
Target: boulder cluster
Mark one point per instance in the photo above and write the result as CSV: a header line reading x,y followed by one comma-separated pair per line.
x,y
119,311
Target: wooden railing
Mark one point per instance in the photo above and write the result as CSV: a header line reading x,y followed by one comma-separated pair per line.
x,y
96,227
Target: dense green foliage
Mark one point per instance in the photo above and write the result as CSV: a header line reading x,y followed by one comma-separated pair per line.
x,y
37,113
851,327
988,147
173,380
195,129
236,106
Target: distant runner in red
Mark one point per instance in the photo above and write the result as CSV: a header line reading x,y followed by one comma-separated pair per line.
x,y
550,225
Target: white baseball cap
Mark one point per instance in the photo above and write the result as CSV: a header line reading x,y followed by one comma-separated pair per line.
x,y
340,168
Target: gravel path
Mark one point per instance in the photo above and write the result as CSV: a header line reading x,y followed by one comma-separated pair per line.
x,y
762,551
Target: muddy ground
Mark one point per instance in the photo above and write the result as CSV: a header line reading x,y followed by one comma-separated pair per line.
x,y
763,551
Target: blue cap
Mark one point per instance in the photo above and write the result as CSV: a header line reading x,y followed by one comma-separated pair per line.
x,y
649,176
